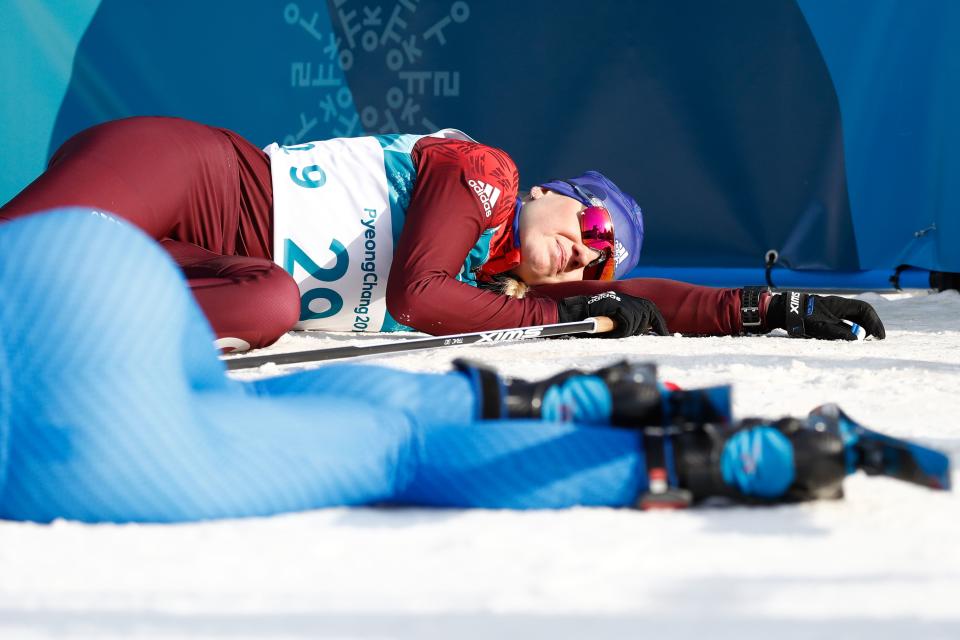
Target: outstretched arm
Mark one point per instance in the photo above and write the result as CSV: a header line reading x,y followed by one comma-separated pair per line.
x,y
687,308
697,310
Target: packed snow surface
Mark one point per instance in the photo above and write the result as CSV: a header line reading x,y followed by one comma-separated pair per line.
x,y
882,563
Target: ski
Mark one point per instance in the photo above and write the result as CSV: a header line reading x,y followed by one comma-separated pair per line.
x,y
881,455
590,325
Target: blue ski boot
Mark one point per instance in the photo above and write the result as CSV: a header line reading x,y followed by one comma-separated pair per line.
x,y
794,459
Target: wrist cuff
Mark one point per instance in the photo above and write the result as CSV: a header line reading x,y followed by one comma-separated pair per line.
x,y
751,320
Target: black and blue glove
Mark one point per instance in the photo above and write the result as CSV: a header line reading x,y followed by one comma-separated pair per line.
x,y
806,315
631,316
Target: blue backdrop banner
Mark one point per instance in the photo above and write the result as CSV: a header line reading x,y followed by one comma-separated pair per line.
x,y
824,130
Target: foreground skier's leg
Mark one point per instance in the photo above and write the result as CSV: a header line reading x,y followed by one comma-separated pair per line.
x,y
432,398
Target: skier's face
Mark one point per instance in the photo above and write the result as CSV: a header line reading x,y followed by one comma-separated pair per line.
x,y
551,249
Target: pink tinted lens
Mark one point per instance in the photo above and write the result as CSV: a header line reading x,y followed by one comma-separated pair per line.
x,y
595,224
596,231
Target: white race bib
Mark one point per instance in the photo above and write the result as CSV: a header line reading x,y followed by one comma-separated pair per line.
x,y
338,206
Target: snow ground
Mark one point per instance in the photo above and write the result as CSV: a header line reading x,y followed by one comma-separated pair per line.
x,y
883,563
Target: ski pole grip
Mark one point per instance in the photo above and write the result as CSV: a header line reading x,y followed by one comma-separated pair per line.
x,y
604,324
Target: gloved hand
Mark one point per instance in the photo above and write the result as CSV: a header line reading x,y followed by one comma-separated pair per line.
x,y
805,315
632,316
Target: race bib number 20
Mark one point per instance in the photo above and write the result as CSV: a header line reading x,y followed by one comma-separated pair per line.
x,y
332,230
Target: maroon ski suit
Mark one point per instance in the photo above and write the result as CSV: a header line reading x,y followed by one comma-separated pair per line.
x,y
206,195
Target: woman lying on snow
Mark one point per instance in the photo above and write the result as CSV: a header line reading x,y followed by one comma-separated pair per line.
x,y
116,408
392,232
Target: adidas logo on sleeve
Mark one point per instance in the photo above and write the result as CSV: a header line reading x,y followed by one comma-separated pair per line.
x,y
487,193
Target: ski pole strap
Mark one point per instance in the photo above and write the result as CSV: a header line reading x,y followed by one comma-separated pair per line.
x,y
750,309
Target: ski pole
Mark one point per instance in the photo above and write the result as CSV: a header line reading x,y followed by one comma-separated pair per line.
x,y
599,324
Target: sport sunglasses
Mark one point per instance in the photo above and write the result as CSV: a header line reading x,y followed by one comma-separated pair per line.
x,y
596,231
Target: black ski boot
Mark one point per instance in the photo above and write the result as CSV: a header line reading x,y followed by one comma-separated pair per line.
x,y
623,394
760,461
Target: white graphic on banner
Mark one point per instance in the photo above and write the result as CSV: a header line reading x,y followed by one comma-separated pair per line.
x,y
389,32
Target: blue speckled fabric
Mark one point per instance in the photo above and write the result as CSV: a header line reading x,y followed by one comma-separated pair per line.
x,y
114,407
